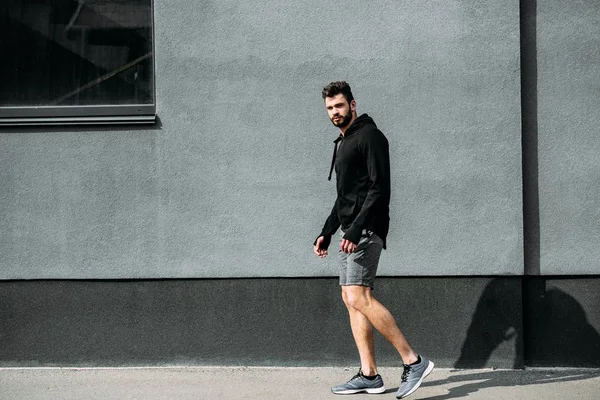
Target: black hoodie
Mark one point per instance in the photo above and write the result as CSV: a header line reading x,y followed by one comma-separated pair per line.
x,y
362,168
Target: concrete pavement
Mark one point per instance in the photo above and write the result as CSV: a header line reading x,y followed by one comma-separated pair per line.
x,y
216,383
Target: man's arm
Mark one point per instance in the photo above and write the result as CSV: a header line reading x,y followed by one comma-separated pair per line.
x,y
375,150
331,226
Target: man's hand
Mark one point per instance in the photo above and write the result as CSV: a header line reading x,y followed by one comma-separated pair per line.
x,y
318,250
347,246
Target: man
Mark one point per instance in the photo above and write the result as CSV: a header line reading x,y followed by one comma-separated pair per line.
x,y
362,165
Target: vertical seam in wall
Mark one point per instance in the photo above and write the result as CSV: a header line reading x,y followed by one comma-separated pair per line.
x,y
531,285
529,137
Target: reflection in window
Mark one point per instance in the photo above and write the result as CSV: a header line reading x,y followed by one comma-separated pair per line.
x,y
60,54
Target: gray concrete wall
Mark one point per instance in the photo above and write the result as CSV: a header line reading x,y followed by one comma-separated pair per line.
x,y
291,322
462,322
233,184
568,37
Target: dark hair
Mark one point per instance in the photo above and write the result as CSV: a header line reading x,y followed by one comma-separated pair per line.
x,y
335,88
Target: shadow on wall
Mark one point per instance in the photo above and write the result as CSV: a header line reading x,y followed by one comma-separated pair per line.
x,y
497,319
558,332
550,330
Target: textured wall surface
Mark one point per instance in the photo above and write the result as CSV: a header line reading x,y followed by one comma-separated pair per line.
x,y
290,322
233,184
461,322
568,41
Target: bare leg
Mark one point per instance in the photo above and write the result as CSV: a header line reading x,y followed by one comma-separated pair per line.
x,y
361,300
362,330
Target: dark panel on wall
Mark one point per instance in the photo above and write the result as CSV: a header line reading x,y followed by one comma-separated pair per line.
x,y
562,322
291,322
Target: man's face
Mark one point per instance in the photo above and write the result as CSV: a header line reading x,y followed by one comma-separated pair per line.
x,y
340,112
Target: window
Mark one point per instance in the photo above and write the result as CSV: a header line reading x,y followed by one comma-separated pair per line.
x,y
76,61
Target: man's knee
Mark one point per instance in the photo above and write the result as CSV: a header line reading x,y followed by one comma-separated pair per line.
x,y
344,295
357,297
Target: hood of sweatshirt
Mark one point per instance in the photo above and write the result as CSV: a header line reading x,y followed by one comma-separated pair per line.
x,y
358,123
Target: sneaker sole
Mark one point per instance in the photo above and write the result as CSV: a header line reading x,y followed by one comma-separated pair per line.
x,y
425,374
378,390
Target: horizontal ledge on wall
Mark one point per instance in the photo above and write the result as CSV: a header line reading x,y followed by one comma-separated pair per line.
x,y
128,119
78,115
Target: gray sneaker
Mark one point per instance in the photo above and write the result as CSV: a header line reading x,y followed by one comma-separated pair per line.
x,y
359,384
413,376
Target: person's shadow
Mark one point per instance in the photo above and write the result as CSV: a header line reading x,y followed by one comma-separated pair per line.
x,y
504,378
558,333
497,318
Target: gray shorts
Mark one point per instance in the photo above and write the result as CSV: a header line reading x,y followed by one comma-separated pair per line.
x,y
360,267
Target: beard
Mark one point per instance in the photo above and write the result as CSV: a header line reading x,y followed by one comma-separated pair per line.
x,y
344,121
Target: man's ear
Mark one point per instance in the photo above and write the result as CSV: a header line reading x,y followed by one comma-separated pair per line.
x,y
353,106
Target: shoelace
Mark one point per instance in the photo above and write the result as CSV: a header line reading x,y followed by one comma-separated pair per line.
x,y
355,377
406,373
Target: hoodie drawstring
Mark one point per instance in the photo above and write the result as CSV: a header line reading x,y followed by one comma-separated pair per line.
x,y
335,146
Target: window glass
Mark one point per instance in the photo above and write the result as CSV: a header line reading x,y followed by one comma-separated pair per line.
x,y
76,58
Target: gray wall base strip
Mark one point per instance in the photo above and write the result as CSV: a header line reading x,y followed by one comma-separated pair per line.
x,y
458,322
